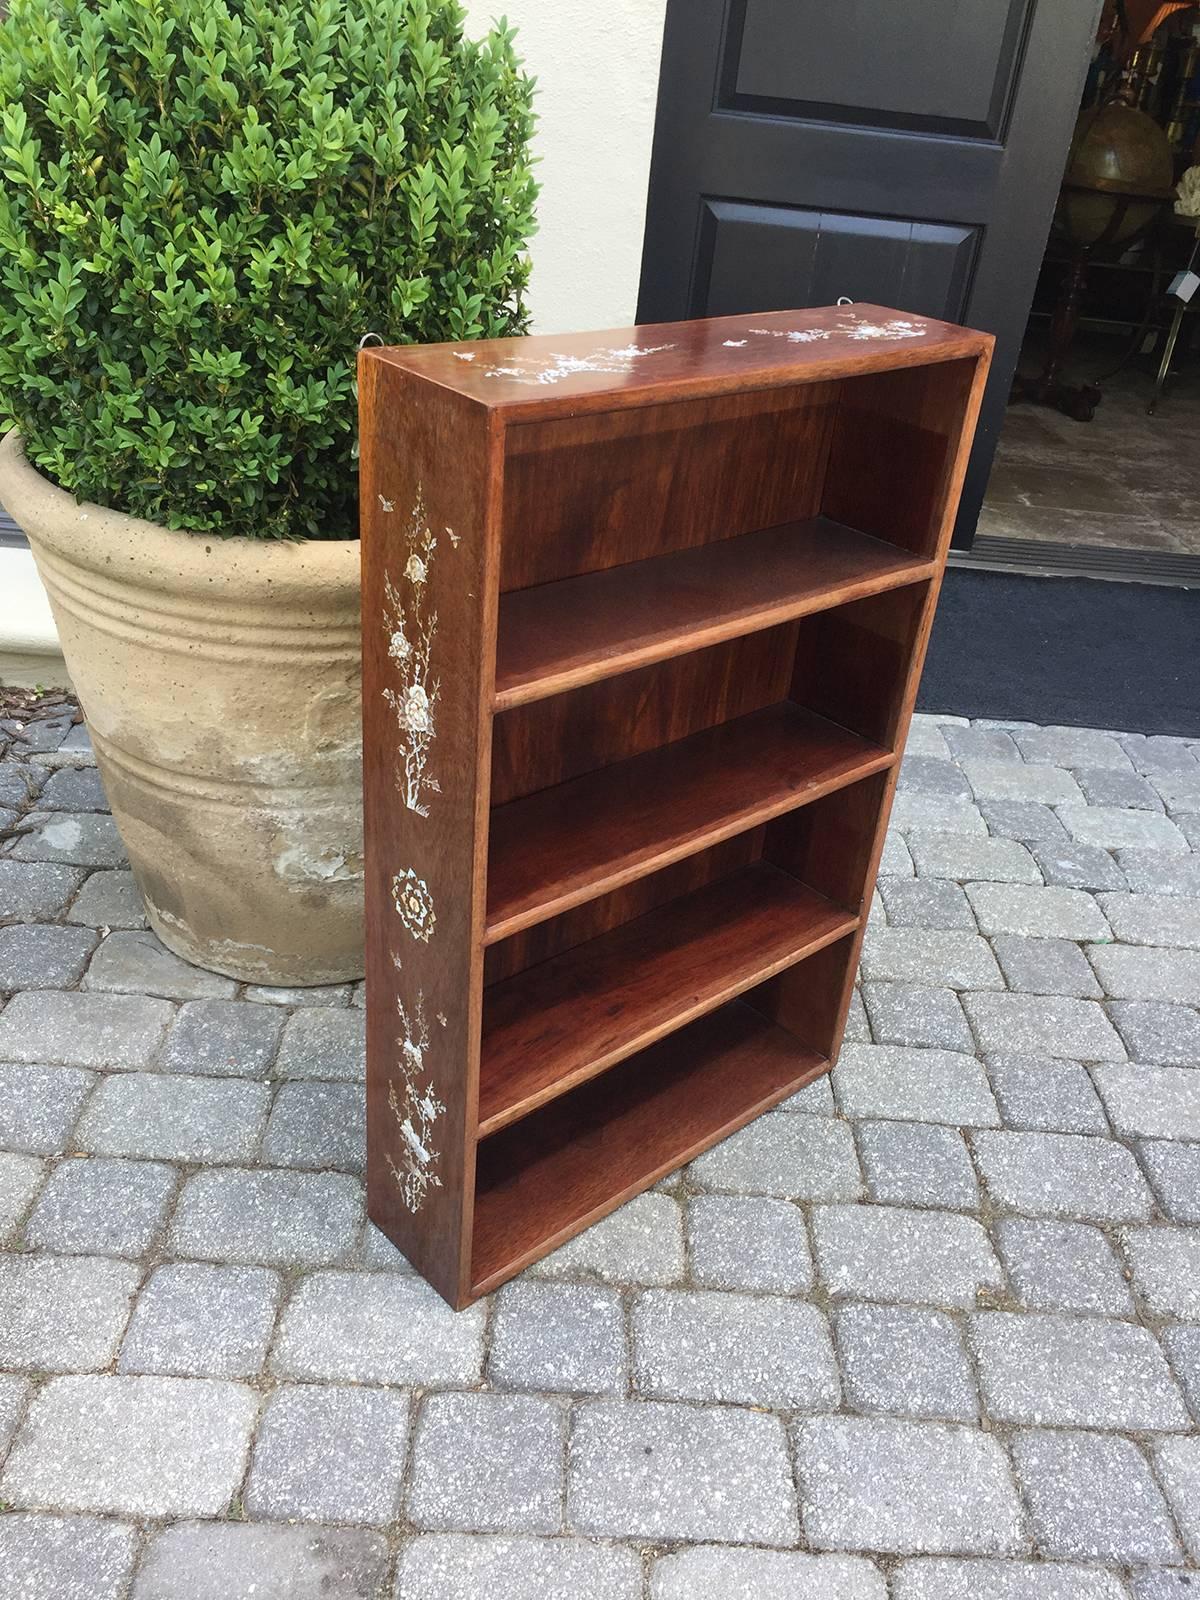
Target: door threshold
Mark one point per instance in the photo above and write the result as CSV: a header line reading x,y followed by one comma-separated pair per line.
x,y
1044,558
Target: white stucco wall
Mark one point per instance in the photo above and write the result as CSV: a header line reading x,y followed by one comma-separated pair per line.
x,y
597,71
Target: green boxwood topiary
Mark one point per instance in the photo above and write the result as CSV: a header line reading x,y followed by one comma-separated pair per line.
x,y
206,203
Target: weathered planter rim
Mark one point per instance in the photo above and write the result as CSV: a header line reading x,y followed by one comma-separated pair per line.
x,y
110,542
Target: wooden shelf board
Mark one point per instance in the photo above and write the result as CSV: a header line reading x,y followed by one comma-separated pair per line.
x,y
558,636
550,1028
545,1179
561,846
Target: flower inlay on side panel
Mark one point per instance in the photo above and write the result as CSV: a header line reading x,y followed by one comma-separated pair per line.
x,y
416,1109
410,623
414,903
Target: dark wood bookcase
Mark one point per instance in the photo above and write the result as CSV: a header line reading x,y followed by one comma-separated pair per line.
x,y
643,617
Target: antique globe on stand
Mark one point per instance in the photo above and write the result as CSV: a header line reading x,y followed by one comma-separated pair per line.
x,y
1120,173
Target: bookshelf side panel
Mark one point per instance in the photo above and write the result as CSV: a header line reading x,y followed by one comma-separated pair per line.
x,y
428,648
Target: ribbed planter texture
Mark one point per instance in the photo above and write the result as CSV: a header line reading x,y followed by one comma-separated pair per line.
x,y
221,684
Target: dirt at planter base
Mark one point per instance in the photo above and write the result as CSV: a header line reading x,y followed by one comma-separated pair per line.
x,y
19,707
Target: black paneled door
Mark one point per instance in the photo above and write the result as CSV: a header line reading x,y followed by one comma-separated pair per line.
x,y
907,154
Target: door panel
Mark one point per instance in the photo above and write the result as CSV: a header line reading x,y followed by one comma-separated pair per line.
x,y
777,257
906,155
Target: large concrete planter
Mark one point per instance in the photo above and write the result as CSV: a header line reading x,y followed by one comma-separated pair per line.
x,y
221,684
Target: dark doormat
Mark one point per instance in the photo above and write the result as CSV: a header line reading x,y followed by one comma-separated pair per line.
x,y
1077,651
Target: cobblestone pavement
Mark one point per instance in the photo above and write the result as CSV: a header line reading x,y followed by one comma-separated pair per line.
x,y
930,1331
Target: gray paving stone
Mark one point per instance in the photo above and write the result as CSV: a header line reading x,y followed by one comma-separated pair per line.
x,y
925,903
1163,1583
318,1125
75,838
917,1163
19,783
65,1558
563,1338
34,890
858,1031
1181,1341
141,1447
83,1030
1092,1497
329,1455
38,956
1041,1094
175,1118
937,958
937,1578
1047,913
935,813
759,1350
958,1495
797,1158
1158,753
464,1566
981,744
1073,747
1025,820
1174,1173
1178,1463
1081,1372
96,1206
320,1042
1046,966
1154,919
1157,1032
913,1085
653,1470
1036,1025
895,862
20,1176
924,774
1062,1266
195,1320
1111,828
971,859
722,1572
377,1253
744,1242
376,1327
326,994
488,1463
1072,865
285,1219
1189,826
903,1014
14,1392
63,1313
640,1243
1166,1269
75,749
256,1561
1105,786
223,1038
926,739
1180,790
135,962
816,1098
109,900
73,789
904,1362
358,995
1151,1102
39,1105
1013,780
1062,1175
893,1253
1160,872
37,733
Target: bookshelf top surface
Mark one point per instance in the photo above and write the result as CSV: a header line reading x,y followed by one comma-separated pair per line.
x,y
682,360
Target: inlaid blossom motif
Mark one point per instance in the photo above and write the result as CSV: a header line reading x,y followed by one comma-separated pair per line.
x,y
416,1109
410,625
414,904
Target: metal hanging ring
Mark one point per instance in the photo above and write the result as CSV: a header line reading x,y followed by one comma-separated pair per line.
x,y
370,338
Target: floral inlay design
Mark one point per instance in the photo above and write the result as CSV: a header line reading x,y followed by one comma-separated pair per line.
x,y
410,622
849,327
529,369
414,904
416,1109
